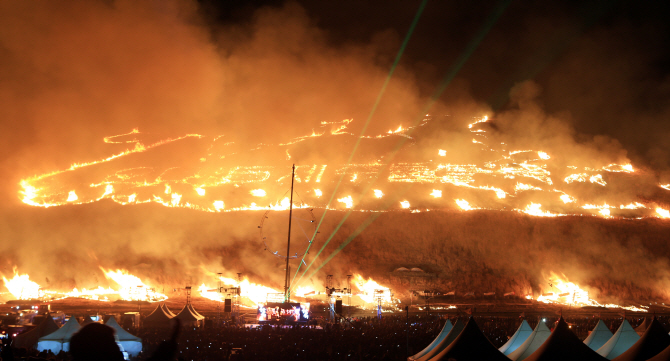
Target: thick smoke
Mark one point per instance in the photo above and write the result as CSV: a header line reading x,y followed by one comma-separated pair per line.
x,y
71,74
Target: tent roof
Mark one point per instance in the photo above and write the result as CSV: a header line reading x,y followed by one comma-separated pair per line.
x,y
443,333
562,344
624,337
167,310
532,343
517,339
86,321
158,315
193,311
29,339
64,333
186,315
599,336
121,334
643,326
471,344
653,341
446,341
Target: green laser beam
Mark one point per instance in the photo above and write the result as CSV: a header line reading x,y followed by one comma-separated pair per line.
x,y
415,21
460,62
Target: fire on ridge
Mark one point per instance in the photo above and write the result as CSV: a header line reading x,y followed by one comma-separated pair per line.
x,y
524,181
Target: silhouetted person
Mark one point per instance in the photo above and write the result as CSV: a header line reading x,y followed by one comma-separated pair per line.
x,y
95,342
167,349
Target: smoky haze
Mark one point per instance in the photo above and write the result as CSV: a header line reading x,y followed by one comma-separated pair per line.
x,y
577,85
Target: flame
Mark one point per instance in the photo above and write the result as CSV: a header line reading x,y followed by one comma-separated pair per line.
x,y
72,196
664,186
21,287
534,210
527,169
663,213
258,193
566,198
219,205
436,193
348,201
378,193
564,292
256,293
463,204
371,290
404,204
132,288
304,291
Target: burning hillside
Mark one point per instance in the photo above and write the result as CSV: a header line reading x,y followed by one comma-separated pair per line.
x,y
149,150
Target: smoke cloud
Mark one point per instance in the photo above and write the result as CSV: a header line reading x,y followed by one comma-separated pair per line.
x,y
72,74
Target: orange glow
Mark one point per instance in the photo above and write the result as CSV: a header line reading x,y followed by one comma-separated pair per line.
x,y
562,291
371,290
258,193
442,152
132,288
318,192
436,193
348,201
21,287
463,204
378,193
404,204
663,213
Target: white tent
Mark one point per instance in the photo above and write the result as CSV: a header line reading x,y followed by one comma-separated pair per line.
x,y
130,343
441,336
522,333
59,339
599,336
532,343
621,341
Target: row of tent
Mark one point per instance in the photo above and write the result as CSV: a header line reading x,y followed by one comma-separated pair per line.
x,y
161,316
48,336
465,341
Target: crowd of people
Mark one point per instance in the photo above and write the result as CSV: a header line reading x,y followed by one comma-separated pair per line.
x,y
389,338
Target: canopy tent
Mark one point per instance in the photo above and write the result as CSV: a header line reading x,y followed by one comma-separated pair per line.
x,y
194,312
561,345
643,326
188,318
443,333
517,339
59,339
29,339
160,317
599,336
131,344
622,340
532,343
472,345
446,341
653,341
86,321
167,310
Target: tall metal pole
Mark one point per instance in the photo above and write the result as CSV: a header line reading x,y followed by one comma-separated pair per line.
x,y
287,283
